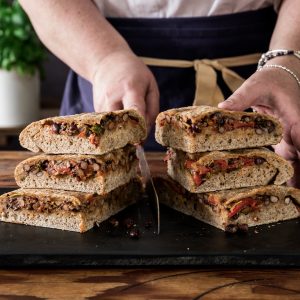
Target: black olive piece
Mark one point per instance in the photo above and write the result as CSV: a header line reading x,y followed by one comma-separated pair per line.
x,y
211,165
245,119
259,160
231,161
114,222
134,233
195,129
235,217
189,121
91,161
221,121
215,116
73,127
242,228
44,164
63,126
231,228
271,129
55,128
133,118
111,117
129,223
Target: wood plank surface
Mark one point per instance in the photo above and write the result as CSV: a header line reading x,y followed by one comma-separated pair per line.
x,y
8,162
138,284
135,284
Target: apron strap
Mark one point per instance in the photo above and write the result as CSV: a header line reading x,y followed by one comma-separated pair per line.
x,y
207,90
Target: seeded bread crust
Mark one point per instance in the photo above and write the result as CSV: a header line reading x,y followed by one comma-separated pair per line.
x,y
101,183
217,216
36,137
172,135
79,221
275,170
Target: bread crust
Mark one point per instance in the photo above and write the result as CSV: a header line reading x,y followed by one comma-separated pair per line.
x,y
87,209
217,215
172,130
37,137
275,169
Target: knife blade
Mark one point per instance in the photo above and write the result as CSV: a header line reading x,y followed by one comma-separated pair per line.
x,y
150,187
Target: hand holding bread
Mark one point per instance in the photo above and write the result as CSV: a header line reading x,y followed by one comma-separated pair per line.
x,y
277,94
218,173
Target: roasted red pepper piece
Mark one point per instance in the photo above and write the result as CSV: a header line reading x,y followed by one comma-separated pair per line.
x,y
197,179
212,201
248,161
202,170
188,163
244,202
239,124
222,163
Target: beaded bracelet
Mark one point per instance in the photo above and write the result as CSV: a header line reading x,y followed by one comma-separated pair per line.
x,y
282,68
275,53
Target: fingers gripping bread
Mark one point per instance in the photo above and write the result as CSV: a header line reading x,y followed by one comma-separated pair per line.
x,y
88,133
66,210
217,170
85,173
227,209
204,128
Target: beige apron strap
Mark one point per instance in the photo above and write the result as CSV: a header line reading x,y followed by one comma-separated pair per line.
x,y
207,90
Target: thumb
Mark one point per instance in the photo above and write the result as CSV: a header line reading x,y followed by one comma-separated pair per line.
x,y
241,99
295,137
135,100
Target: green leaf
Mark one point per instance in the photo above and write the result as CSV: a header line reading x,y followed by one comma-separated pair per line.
x,y
97,129
18,19
21,33
20,48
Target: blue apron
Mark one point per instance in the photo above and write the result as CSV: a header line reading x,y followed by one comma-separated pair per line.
x,y
181,38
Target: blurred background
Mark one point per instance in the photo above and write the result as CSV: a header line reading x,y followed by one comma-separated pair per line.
x,y
31,78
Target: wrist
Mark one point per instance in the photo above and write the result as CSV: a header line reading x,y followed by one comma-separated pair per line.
x,y
289,61
115,59
115,54
286,64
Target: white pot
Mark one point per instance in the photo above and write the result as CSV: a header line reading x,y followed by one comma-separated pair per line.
x,y
19,99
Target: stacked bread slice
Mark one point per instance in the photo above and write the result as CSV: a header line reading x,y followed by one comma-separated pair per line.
x,y
86,173
219,170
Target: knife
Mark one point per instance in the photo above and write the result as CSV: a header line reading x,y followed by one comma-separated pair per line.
x,y
150,187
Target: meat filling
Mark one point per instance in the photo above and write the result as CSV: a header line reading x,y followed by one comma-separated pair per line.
x,y
92,132
201,173
220,123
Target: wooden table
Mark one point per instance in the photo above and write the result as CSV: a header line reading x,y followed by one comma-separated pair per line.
x,y
142,283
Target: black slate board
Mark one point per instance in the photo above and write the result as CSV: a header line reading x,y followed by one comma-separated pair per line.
x,y
183,241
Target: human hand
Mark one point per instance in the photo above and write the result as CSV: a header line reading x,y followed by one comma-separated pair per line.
x,y
122,80
275,92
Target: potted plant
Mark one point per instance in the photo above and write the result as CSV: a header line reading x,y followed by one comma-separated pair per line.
x,y
21,57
